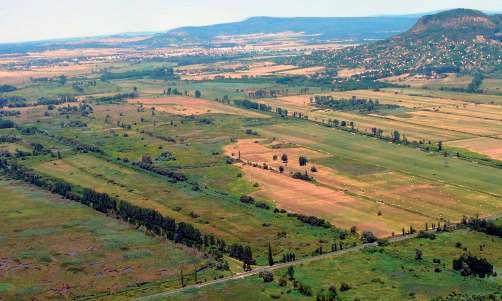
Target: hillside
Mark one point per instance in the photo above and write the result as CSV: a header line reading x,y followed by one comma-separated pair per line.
x,y
335,28
458,40
457,24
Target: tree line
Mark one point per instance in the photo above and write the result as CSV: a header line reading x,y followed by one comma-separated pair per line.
x,y
117,98
252,105
152,220
7,88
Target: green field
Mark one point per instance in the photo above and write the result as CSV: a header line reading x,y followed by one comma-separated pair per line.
x,y
83,251
388,273
197,150
217,174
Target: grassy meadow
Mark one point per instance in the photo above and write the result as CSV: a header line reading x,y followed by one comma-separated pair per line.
x,y
83,252
383,273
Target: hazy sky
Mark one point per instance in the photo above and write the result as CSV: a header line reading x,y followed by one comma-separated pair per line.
x,y
22,20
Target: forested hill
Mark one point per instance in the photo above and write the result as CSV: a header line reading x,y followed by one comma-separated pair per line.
x,y
328,28
459,40
459,24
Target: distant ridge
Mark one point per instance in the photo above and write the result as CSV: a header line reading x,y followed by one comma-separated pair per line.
x,y
324,28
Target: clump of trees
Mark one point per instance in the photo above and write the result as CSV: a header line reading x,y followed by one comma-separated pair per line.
x,y
44,101
329,295
7,88
172,175
117,98
266,276
6,124
242,253
303,176
471,265
247,199
8,139
164,73
368,237
302,160
311,220
354,104
426,235
252,105
483,225
13,102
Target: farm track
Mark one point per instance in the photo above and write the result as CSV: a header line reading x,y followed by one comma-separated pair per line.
x,y
258,270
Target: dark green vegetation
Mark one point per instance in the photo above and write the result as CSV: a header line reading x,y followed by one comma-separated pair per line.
x,y
164,73
354,104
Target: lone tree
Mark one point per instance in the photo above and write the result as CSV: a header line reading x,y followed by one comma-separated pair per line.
x,y
368,237
266,276
291,272
302,160
419,255
270,256
396,136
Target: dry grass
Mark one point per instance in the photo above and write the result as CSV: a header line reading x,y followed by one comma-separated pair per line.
x,y
187,106
304,71
346,73
326,198
252,70
18,77
415,81
429,118
486,146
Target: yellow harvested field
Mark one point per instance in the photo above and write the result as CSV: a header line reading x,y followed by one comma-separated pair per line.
x,y
428,118
350,72
463,124
415,81
326,198
487,146
252,70
366,122
17,77
402,99
187,106
303,71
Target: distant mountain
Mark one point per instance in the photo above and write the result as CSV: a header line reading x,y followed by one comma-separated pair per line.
x,y
103,41
318,29
333,28
459,40
457,24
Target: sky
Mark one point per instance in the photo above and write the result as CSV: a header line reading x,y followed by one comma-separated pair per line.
x,y
28,20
